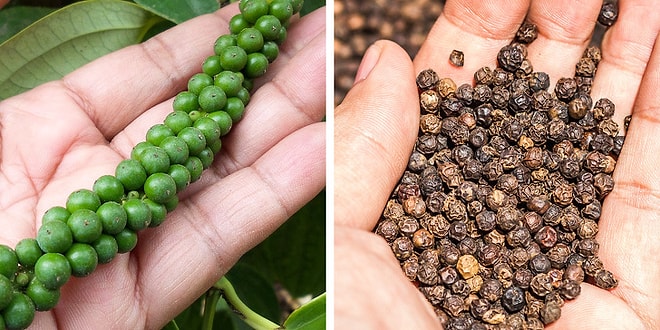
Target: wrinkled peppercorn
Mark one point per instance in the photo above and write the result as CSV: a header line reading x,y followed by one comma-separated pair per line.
x,y
495,217
457,58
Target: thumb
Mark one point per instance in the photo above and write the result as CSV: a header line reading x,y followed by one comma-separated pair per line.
x,y
374,132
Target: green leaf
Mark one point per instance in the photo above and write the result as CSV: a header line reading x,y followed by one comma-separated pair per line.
x,y
310,316
255,291
66,39
295,254
311,5
17,18
181,10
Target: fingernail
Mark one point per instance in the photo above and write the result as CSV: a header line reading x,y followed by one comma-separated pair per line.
x,y
369,61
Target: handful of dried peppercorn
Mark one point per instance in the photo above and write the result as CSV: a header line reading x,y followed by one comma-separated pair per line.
x,y
496,215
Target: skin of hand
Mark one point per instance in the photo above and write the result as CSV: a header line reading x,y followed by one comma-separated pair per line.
x,y
63,135
376,126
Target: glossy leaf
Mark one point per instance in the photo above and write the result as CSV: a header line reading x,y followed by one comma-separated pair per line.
x,y
68,38
180,10
310,316
295,254
255,291
14,19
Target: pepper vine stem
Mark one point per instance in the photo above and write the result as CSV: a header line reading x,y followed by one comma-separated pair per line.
x,y
250,317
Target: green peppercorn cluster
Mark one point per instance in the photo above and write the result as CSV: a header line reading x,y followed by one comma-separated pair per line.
x,y
97,224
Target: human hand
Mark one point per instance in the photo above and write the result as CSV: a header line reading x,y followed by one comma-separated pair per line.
x,y
63,135
376,126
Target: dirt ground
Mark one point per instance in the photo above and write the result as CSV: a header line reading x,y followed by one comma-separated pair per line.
x,y
359,23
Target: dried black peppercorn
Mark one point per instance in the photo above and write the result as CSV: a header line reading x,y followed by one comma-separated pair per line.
x,y
457,58
495,217
527,32
510,57
427,79
513,299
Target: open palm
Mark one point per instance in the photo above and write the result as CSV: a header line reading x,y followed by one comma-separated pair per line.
x,y
63,135
376,126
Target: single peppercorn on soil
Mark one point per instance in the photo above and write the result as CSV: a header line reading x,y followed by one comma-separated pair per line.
x,y
495,217
96,224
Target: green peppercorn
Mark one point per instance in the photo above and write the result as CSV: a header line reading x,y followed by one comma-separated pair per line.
x,y
44,299
52,270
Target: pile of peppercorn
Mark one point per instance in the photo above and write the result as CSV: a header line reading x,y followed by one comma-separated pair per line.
x,y
495,217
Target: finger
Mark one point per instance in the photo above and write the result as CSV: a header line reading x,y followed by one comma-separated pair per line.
x,y
631,213
626,49
477,28
564,31
156,69
375,129
371,292
203,238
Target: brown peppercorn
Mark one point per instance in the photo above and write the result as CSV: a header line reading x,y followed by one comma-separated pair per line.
x,y
558,255
448,275
518,237
522,278
486,220
467,266
541,284
511,56
457,230
479,307
410,267
453,305
488,255
588,247
388,229
402,248
550,313
574,272
482,94
604,279
563,194
408,225
546,237
460,288
494,316
417,162
540,263
437,225
587,229
527,32
592,265
415,206
483,76
508,218
429,100
570,289
427,79
457,58
446,87
585,67
423,239
430,256
491,289
532,221
496,199
475,283
449,254
513,299
427,274
434,294
454,209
